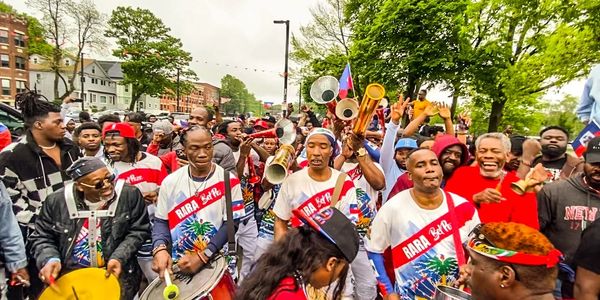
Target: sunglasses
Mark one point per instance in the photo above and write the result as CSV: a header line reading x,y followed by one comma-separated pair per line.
x,y
479,237
102,183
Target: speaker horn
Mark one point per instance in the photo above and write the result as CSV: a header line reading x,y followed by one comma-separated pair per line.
x,y
325,89
346,109
384,103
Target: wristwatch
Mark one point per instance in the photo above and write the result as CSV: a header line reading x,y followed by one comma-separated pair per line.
x,y
361,152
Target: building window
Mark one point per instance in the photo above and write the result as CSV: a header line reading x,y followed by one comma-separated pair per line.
x,y
93,70
102,82
5,60
94,80
93,98
103,99
35,60
127,88
6,87
3,36
21,86
67,62
38,77
20,63
19,40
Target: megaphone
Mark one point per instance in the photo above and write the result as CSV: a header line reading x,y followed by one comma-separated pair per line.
x,y
325,89
346,109
284,131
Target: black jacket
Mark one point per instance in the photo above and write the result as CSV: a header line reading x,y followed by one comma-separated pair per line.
x,y
122,236
565,207
30,175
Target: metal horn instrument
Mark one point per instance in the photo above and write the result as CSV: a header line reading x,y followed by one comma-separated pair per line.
x,y
346,109
277,170
283,130
324,91
373,95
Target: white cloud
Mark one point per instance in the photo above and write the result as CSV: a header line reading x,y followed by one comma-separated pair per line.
x,y
223,34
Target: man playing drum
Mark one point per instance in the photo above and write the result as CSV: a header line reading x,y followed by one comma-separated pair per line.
x,y
191,217
93,222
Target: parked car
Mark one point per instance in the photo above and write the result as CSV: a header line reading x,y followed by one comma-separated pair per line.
x,y
13,119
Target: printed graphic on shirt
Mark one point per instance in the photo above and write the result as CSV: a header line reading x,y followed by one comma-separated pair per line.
x,y
315,203
365,213
248,195
267,224
194,237
81,249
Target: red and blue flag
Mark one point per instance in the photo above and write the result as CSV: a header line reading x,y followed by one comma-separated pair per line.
x,y
346,83
589,132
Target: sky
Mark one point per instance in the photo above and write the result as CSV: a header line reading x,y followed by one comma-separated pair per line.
x,y
234,37
238,37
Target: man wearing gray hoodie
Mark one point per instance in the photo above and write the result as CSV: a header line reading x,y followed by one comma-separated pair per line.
x,y
567,207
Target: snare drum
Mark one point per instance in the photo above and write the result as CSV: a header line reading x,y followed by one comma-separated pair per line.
x,y
212,282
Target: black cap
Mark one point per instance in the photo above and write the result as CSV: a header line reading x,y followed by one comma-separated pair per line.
x,y
84,166
335,227
592,153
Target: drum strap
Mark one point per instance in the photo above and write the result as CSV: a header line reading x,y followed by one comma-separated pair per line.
x,y
91,216
231,246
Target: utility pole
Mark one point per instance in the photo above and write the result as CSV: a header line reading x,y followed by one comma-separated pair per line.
x,y
82,82
285,73
300,96
177,89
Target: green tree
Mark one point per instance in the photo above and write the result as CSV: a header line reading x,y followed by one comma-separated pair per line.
x,y
152,58
563,114
522,48
242,101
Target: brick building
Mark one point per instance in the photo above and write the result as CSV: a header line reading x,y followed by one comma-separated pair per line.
x,y
14,74
203,94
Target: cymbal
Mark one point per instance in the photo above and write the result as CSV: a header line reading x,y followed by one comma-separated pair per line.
x,y
87,283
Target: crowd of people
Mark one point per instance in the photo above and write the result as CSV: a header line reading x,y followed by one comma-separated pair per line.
x,y
395,212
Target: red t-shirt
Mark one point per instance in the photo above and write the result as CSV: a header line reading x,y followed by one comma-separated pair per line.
x,y
467,181
288,290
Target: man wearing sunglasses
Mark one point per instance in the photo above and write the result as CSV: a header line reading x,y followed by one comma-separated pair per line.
x,y
68,236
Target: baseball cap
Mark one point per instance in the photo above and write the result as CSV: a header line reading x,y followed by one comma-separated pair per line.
x,y
84,166
406,143
592,153
163,125
261,124
334,226
125,130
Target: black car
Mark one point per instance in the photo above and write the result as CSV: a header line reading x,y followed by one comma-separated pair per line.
x,y
12,118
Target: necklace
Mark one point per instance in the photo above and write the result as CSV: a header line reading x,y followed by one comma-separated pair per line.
x,y
48,148
200,188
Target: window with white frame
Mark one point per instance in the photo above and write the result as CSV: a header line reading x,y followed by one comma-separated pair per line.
x,y
5,60
103,99
19,40
21,86
20,63
3,36
5,87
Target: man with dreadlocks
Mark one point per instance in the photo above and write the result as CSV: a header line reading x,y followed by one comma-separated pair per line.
x,y
34,167
137,168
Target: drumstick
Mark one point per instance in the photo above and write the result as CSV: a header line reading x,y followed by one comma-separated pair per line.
x,y
171,291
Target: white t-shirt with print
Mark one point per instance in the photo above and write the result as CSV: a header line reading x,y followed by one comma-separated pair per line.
x,y
299,190
354,171
192,228
401,220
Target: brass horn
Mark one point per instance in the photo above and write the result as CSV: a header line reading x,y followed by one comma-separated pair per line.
x,y
373,95
325,89
346,109
277,170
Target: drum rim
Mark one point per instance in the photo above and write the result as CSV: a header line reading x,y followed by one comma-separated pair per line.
x,y
220,275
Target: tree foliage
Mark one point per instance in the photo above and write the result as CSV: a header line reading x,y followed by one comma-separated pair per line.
x,y
242,101
152,58
503,55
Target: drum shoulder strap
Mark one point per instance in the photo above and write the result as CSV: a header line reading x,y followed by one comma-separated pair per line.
x,y
231,247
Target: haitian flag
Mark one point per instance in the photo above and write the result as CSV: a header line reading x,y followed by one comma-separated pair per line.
x,y
589,132
346,82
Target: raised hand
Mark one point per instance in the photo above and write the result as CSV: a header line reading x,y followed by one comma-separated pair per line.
x,y
398,109
444,111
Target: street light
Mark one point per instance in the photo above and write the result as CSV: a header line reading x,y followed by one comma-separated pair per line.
x,y
285,72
